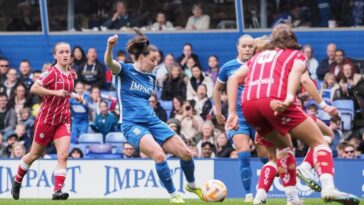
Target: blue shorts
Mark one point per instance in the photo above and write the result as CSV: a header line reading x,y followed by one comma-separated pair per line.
x,y
155,127
244,128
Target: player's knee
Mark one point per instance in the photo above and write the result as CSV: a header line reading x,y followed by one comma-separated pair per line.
x,y
158,156
186,155
62,157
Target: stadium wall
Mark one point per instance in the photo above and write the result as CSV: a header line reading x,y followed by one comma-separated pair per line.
x,y
138,178
38,47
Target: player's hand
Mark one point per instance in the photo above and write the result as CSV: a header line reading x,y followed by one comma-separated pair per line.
x,y
220,119
331,110
232,122
111,42
79,98
278,106
61,93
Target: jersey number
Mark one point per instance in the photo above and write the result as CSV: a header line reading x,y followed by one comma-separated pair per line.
x,y
266,57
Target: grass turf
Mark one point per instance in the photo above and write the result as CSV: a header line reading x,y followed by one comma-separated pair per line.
x,y
144,201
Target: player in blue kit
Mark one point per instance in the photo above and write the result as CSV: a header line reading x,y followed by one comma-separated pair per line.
x,y
141,127
241,136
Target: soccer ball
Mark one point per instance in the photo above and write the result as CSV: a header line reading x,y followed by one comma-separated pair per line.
x,y
214,190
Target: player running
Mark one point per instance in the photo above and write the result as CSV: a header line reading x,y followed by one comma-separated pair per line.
x,y
142,128
53,121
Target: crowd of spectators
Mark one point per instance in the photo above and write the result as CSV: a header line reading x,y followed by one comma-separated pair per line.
x,y
182,99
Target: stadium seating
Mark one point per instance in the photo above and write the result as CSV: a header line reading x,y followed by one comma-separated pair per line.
x,y
91,138
345,106
115,138
324,116
326,94
347,121
82,147
167,105
102,151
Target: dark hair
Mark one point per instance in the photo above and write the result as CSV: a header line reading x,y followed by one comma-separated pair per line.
x,y
4,59
103,101
188,44
335,119
162,56
120,53
83,58
340,50
76,149
283,37
25,61
139,45
3,95
204,144
215,56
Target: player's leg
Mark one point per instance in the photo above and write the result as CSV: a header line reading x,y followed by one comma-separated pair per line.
x,y
309,134
62,142
152,149
42,137
177,147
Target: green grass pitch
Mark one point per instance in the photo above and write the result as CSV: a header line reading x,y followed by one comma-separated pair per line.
x,y
145,201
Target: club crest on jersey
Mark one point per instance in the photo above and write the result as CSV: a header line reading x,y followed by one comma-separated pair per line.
x,y
41,135
151,81
137,131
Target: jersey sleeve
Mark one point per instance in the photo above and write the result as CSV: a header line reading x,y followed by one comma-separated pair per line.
x,y
301,58
47,78
124,68
222,76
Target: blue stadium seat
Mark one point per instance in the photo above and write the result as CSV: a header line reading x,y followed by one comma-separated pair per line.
x,y
106,94
91,138
117,149
347,121
167,105
326,94
106,156
345,106
115,138
324,116
100,149
82,147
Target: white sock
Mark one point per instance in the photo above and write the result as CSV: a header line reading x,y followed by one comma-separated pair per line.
x,y
291,193
261,195
173,194
192,185
327,181
305,165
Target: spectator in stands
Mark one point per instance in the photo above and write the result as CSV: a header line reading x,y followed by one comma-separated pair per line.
x,y
46,67
208,150
311,61
203,105
329,87
158,109
340,149
335,126
79,58
2,145
194,151
121,19
174,84
349,152
292,17
8,117
312,109
18,151
25,73
337,66
23,136
177,110
223,147
207,134
76,153
161,23
162,69
25,20
358,9
186,53
234,154
80,113
198,21
11,139
94,102
121,56
20,98
128,151
27,120
9,85
191,122
175,125
348,81
175,13
191,62
105,122
199,78
213,69
92,73
4,68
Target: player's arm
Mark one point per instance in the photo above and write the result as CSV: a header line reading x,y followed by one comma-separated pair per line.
x,y
109,61
219,86
232,92
38,89
310,87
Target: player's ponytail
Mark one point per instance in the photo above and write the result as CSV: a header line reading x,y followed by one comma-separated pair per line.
x,y
139,45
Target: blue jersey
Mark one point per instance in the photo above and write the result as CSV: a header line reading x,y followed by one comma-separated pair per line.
x,y
79,111
227,70
134,89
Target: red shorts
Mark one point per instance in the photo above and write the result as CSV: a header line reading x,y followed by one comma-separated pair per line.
x,y
45,133
260,115
259,140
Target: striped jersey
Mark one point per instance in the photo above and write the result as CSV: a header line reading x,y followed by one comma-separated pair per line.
x,y
134,89
268,73
55,110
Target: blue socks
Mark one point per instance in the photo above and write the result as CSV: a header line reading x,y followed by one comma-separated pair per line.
x,y
245,170
165,176
188,168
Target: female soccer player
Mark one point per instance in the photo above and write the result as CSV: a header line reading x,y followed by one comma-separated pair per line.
x,y
142,128
271,80
53,121
240,137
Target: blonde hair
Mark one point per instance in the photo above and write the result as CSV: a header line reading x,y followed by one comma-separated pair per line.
x,y
327,75
245,36
17,144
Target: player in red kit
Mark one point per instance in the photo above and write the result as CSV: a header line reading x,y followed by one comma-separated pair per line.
x,y
271,80
53,121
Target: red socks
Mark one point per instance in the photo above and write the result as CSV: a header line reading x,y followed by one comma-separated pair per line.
x,y
59,178
286,163
323,160
309,157
267,174
22,170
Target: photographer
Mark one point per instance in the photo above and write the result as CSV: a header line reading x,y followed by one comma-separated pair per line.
x,y
191,122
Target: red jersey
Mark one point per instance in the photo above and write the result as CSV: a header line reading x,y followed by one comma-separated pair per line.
x,y
56,110
268,73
